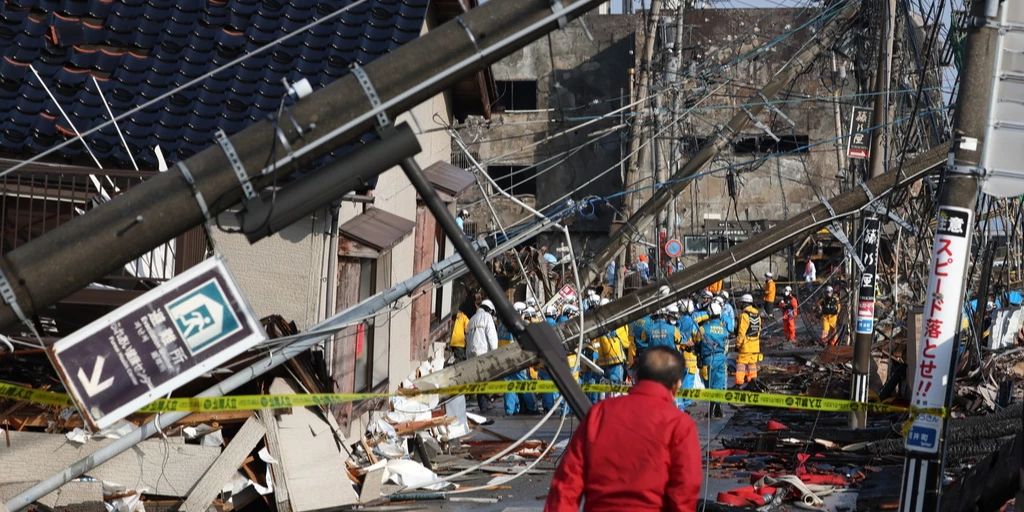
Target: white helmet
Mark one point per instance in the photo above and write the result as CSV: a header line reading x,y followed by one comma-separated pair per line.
x,y
746,298
787,290
687,306
664,289
464,213
724,294
519,307
551,311
768,275
673,309
531,302
716,309
487,304
530,311
828,289
605,301
570,308
718,300
706,294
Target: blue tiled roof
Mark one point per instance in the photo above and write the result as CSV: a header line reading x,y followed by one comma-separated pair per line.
x,y
140,49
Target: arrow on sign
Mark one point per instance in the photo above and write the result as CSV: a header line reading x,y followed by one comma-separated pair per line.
x,y
92,385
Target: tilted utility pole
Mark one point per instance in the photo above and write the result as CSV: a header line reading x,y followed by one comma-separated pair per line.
x,y
935,373
636,173
507,359
865,327
105,238
641,218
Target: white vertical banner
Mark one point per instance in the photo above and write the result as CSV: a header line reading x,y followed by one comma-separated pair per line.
x,y
939,325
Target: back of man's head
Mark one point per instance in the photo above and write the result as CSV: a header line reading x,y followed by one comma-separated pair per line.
x,y
662,365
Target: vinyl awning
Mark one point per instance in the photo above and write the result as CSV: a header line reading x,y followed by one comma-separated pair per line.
x,y
373,232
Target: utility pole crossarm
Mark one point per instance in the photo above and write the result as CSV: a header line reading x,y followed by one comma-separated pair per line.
x,y
636,305
646,213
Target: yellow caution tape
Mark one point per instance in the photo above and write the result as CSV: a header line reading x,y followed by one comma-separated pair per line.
x,y
258,402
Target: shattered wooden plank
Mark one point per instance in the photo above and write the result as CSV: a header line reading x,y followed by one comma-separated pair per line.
x,y
226,465
165,468
276,469
313,464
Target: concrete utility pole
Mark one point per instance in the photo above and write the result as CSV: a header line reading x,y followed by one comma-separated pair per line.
x,y
641,218
636,173
877,164
105,238
507,359
674,76
935,373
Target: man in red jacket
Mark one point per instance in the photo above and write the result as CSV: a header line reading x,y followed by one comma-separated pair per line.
x,y
637,452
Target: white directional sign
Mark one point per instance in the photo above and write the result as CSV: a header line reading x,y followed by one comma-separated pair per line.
x,y
1003,160
155,343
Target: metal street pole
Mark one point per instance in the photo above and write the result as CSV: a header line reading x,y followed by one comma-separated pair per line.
x,y
877,163
935,373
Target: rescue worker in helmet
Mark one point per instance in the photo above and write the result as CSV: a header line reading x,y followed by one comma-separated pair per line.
x,y
768,298
748,341
728,313
789,307
612,350
460,219
517,402
714,337
828,309
659,332
690,336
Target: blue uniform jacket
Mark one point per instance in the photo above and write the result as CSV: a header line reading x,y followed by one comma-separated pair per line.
x,y
715,335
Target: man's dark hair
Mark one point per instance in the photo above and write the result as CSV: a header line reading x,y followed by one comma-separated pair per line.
x,y
662,365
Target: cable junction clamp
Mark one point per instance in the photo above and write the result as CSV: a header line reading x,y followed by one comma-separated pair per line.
x,y
7,293
559,9
236,163
185,173
383,123
841,236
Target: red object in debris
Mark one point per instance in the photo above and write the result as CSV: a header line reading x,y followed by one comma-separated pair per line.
x,y
746,496
774,426
828,479
727,452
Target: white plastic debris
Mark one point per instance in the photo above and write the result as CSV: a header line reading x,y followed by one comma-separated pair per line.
x,y
265,456
409,473
77,435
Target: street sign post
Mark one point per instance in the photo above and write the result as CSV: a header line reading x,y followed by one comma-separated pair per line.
x,y
156,343
674,248
859,144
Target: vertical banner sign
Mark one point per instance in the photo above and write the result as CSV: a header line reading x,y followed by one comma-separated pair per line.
x,y
939,325
859,143
869,256
156,343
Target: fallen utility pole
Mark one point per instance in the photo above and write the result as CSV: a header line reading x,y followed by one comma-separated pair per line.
x,y
647,212
439,273
647,300
935,373
865,329
94,244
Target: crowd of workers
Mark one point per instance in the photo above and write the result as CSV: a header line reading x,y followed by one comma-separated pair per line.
x,y
703,328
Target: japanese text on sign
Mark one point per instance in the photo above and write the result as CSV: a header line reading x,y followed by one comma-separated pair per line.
x,y
939,325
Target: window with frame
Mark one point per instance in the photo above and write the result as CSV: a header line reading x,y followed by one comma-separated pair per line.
x,y
514,179
373,335
515,95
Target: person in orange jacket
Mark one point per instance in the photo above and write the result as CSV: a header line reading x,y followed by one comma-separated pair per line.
x,y
789,306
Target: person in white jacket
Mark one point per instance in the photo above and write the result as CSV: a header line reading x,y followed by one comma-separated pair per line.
x,y
481,338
